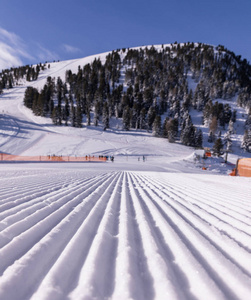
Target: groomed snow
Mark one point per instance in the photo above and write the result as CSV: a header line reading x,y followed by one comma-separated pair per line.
x,y
85,231
162,228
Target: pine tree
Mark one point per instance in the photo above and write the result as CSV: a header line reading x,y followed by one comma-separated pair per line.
x,y
29,96
96,113
66,111
126,118
227,141
248,122
10,86
142,119
78,117
213,127
187,136
73,116
54,115
105,116
151,117
173,130
198,138
165,128
246,142
88,116
157,126
218,147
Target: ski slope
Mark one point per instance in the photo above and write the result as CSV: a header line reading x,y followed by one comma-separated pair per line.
x,y
156,229
85,232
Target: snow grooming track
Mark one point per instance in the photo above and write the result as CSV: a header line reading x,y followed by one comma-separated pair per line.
x,y
225,274
123,235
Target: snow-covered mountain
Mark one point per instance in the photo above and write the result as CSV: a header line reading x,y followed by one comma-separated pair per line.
x,y
26,133
160,222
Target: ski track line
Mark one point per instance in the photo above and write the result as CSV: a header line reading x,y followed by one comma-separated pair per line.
x,y
61,236
73,260
232,201
130,261
122,235
210,206
24,207
27,209
185,269
242,221
227,207
221,270
17,203
239,231
233,195
92,284
34,227
13,191
199,220
164,277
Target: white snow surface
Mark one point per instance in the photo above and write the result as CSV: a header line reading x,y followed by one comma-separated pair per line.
x,y
162,228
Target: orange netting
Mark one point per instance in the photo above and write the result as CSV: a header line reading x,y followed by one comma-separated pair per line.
x,y
244,167
51,158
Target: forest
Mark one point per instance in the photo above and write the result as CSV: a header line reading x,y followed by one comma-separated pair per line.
x,y
149,89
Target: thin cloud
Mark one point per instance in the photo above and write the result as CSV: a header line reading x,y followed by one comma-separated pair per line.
x,y
70,49
12,50
44,54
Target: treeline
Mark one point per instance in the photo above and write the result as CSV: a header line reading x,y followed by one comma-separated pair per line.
x,y
11,77
149,89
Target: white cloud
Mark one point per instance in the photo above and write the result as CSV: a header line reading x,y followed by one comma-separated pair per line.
x,y
70,49
12,50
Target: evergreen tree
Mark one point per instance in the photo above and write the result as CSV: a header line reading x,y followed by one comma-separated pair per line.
x,y
198,138
173,130
105,116
157,126
88,116
227,141
218,147
151,117
142,119
30,95
66,111
213,127
165,128
187,136
126,118
248,122
55,116
246,142
10,86
78,116
96,113
73,116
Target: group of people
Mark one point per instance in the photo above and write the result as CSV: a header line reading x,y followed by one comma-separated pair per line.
x,y
143,158
107,157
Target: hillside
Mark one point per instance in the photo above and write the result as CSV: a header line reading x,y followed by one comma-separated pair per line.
x,y
185,93
159,222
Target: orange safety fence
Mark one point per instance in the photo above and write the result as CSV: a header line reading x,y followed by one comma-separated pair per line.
x,y
243,167
52,158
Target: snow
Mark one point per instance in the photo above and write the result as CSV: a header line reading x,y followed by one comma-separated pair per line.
x,y
162,228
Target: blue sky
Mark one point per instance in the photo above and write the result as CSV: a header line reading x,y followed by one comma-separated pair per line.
x,y
38,31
